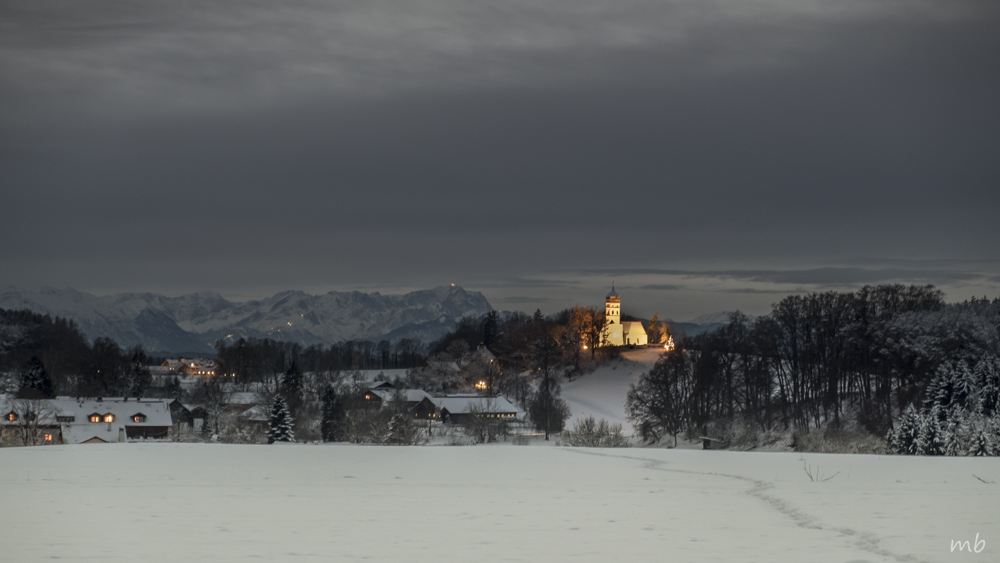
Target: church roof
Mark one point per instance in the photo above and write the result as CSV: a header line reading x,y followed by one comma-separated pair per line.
x,y
613,293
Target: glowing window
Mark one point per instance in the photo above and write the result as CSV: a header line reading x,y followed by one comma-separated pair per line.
x,y
94,418
109,417
12,416
138,417
48,437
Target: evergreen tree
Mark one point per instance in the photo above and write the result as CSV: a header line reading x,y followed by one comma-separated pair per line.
x,y
490,327
291,388
965,387
138,376
941,390
537,317
903,440
981,444
35,381
930,440
957,436
988,377
655,332
280,424
332,416
401,429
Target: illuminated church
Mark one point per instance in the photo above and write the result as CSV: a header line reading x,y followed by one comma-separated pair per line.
x,y
629,333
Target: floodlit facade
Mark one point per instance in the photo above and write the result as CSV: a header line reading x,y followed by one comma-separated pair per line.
x,y
634,333
613,314
628,333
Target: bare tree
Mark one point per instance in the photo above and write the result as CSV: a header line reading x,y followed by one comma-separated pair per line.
x,y
34,420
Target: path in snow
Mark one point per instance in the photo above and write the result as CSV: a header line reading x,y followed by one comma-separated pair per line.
x,y
601,394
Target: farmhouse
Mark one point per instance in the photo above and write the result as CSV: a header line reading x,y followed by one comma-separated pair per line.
x,y
382,395
65,420
459,409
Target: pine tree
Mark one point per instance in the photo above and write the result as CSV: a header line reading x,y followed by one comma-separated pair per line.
x,y
981,443
332,416
904,439
930,440
280,425
941,390
35,381
138,377
958,428
655,334
490,328
291,388
988,376
965,387
401,429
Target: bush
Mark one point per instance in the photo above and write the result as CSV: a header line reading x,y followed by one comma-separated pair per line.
x,y
589,433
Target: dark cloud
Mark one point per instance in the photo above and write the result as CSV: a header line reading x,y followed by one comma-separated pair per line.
x,y
830,276
524,299
755,291
248,147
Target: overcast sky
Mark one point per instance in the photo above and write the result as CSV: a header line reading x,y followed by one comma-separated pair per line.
x,y
705,155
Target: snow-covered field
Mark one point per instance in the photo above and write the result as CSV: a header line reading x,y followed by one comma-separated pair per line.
x,y
210,502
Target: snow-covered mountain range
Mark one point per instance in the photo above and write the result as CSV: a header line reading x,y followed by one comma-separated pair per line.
x,y
192,323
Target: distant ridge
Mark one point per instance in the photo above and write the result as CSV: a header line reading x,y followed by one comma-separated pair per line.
x,y
192,323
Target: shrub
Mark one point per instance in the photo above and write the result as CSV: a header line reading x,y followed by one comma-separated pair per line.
x,y
590,433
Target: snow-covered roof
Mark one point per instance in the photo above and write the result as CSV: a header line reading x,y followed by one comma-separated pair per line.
x,y
410,395
243,398
155,411
461,405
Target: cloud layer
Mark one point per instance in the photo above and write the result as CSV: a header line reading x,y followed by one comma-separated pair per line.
x,y
249,147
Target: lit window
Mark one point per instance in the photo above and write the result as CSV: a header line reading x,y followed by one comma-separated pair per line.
x,y
368,396
11,416
95,418
138,417
109,417
48,437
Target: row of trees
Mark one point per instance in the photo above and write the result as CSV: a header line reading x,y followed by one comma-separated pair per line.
x,y
253,360
51,356
816,359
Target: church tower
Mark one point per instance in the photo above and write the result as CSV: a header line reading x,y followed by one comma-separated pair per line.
x,y
613,314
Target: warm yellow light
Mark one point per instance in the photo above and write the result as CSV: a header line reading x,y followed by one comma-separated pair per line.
x,y
368,396
584,346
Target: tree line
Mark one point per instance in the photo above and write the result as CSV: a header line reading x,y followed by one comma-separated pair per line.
x,y
253,360
50,356
816,359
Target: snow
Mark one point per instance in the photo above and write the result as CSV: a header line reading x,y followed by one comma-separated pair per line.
x,y
212,502
601,393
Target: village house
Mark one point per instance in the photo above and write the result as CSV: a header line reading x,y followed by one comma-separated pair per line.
x,y
182,366
66,420
382,393
458,409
